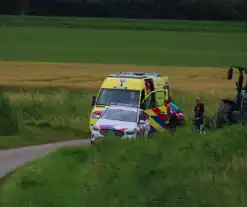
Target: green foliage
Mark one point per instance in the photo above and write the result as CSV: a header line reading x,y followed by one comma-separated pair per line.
x,y
50,115
180,9
184,169
43,116
9,123
57,107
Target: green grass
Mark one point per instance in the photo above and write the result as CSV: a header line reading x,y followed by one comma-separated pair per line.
x,y
114,23
184,169
66,161
50,115
123,46
47,116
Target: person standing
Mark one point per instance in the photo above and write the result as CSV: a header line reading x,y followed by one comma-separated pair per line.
x,y
199,114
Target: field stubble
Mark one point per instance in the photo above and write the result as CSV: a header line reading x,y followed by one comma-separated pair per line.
x,y
89,77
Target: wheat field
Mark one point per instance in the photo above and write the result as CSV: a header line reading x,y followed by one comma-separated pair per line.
x,y
90,76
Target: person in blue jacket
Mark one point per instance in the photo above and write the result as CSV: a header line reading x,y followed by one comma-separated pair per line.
x,y
172,105
175,111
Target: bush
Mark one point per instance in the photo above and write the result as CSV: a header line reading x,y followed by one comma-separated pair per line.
x,y
57,109
9,123
169,9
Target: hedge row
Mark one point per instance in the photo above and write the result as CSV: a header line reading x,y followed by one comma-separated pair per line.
x,y
171,9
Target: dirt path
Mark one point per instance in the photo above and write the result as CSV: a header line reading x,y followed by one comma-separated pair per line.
x,y
13,158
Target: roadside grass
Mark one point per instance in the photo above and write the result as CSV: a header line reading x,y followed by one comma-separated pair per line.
x,y
47,116
177,48
50,115
184,169
67,161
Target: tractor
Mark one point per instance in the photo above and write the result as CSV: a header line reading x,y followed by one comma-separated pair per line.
x,y
232,111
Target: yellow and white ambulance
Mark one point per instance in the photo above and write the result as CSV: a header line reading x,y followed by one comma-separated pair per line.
x,y
148,91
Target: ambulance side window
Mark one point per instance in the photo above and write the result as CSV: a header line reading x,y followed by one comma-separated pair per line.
x,y
142,95
160,98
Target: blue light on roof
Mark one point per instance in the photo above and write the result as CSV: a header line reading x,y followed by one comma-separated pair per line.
x,y
139,75
126,76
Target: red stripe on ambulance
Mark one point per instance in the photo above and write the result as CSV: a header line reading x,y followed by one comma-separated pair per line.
x,y
162,116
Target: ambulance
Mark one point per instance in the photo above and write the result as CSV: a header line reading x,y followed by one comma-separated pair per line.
x,y
145,90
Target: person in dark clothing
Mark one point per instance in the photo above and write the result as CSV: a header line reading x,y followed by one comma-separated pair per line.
x,y
199,114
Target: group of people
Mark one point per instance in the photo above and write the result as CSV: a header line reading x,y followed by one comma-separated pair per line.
x,y
198,113
177,113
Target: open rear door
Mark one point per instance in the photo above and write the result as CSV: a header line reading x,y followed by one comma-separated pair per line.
x,y
156,109
161,83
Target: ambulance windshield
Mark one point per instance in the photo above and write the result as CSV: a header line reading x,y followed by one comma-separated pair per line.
x,y
122,96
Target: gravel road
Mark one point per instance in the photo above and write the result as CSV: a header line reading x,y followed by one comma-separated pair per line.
x,y
13,158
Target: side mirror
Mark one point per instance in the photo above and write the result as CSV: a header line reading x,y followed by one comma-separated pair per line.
x,y
142,122
230,74
143,105
93,100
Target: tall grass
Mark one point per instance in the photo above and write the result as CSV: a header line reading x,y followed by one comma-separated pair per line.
x,y
9,123
43,116
183,169
180,169
54,108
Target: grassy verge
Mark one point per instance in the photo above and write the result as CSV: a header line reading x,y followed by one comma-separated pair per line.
x,y
45,116
67,161
135,24
184,169
50,115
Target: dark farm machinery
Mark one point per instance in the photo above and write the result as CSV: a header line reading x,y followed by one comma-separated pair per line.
x,y
232,111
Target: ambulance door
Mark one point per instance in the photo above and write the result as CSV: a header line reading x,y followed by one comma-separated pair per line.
x,y
167,92
160,82
153,105
161,105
